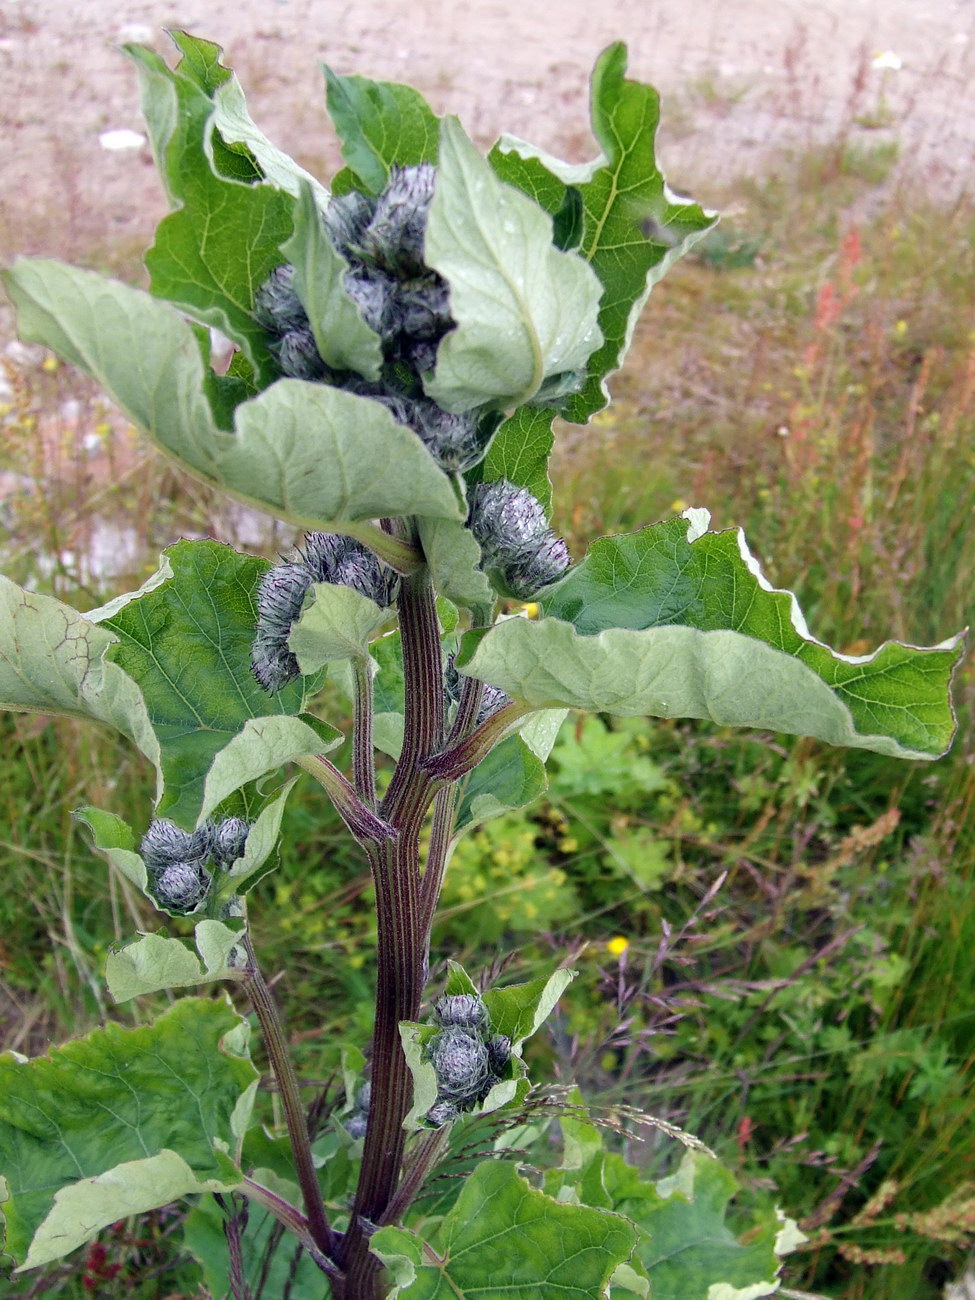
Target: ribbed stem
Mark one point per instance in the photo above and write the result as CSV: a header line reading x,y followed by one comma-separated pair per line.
x,y
294,1114
363,764
401,949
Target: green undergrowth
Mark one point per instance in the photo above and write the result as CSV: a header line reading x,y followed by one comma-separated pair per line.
x,y
775,941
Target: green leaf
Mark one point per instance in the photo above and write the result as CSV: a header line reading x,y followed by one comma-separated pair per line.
x,y
380,124
263,745
635,228
187,644
212,253
336,623
291,1271
677,622
120,1122
155,962
688,1250
453,555
503,1237
520,1010
54,660
311,454
344,340
510,777
524,310
519,452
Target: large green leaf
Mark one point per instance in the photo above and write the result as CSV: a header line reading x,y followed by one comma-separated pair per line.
x,y
635,228
380,124
55,660
504,1238
187,645
525,311
677,622
686,1247
155,962
344,339
336,623
120,1122
212,253
305,452
519,452
510,777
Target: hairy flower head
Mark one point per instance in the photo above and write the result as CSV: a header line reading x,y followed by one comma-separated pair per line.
x,y
515,539
464,1009
181,886
460,1059
280,596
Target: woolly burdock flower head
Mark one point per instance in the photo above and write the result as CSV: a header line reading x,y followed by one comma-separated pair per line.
x,y
330,557
277,308
280,596
165,843
230,840
464,1009
516,542
182,886
460,1059
394,237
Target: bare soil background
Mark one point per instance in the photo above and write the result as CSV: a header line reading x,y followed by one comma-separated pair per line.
x,y
742,80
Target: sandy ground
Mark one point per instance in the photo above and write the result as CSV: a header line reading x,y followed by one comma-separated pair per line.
x,y
741,80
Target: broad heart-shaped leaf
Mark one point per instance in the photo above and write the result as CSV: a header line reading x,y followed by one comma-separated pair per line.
x,y
380,124
686,1248
519,452
635,228
120,1122
510,777
504,1238
336,623
54,660
344,339
187,645
155,962
213,253
311,454
525,311
677,622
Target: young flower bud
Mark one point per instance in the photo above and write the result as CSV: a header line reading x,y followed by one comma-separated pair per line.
x,y
441,1113
463,1009
456,442
460,1060
372,292
394,236
346,219
330,557
277,308
499,1053
515,538
165,843
279,600
230,840
533,570
181,886
297,355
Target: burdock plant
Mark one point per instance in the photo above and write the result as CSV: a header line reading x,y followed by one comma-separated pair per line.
x,y
402,348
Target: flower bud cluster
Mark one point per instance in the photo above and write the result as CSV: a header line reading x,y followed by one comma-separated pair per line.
x,y
382,240
467,1058
180,863
492,697
327,557
515,539
278,311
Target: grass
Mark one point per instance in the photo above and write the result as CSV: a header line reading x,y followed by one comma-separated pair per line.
x,y
810,377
